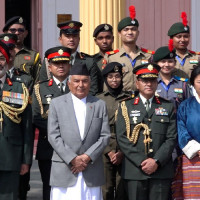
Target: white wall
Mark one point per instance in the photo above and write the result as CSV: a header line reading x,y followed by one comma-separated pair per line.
x,y
50,9
195,25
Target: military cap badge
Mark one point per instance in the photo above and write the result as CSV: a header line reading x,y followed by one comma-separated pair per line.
x,y
116,68
106,27
60,52
20,20
71,25
6,38
150,67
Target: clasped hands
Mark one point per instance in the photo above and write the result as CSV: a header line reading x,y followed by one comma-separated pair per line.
x,y
79,163
149,166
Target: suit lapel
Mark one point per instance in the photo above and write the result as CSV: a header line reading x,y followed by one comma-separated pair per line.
x,y
89,115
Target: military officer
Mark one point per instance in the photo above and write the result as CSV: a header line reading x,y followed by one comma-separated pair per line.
x,y
103,37
15,73
16,142
112,95
185,58
129,55
70,38
25,59
146,134
44,91
171,87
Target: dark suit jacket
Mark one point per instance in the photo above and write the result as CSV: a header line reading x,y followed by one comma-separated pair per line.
x,y
163,133
47,92
16,140
64,136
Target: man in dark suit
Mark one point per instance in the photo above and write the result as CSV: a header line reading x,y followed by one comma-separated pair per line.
x,y
78,131
16,141
44,91
146,134
70,38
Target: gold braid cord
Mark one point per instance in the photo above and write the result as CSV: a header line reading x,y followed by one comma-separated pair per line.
x,y
13,113
135,133
38,97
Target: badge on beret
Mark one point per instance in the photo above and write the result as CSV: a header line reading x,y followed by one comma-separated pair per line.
x,y
20,20
106,27
150,67
6,38
185,28
116,68
133,21
171,55
60,52
71,25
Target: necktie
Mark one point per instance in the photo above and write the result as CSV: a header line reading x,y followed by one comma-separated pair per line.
x,y
61,87
71,62
147,103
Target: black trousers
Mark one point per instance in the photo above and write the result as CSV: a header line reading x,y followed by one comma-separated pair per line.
x,y
150,189
45,170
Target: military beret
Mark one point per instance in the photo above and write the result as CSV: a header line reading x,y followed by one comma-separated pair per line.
x,y
102,28
127,22
147,70
70,27
163,53
5,51
79,69
57,54
111,68
9,39
14,20
178,28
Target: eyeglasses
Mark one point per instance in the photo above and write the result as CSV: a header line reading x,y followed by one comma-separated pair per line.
x,y
14,30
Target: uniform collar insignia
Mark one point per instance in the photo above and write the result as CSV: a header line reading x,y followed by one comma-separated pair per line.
x,y
136,101
157,100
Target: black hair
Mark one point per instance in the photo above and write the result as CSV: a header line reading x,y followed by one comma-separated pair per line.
x,y
195,73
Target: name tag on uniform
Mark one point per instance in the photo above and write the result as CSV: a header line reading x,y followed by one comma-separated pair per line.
x,y
178,90
134,114
193,61
161,111
12,97
144,61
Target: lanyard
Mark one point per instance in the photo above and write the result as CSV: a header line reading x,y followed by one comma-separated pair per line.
x,y
182,62
132,61
166,87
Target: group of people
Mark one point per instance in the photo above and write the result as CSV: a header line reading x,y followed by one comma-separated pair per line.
x,y
121,124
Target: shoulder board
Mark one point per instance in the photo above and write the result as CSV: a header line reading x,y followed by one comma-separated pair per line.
x,y
85,55
194,52
125,99
180,78
112,52
20,72
147,51
43,81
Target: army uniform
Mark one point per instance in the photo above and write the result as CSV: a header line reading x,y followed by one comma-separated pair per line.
x,y
44,92
29,61
142,56
186,64
177,91
190,58
146,135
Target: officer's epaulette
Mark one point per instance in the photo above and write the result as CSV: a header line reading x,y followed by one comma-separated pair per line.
x,y
85,55
112,52
42,81
180,78
147,51
194,52
125,99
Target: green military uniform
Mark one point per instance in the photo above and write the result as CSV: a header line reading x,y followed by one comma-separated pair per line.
x,y
142,56
190,59
16,139
29,61
161,122
112,171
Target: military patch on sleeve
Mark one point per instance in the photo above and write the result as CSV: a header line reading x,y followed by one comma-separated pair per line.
x,y
27,57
